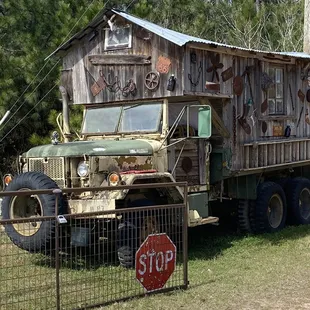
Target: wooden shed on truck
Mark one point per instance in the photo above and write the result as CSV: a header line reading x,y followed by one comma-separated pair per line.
x,y
260,100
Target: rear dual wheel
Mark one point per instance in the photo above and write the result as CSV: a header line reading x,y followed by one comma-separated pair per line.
x,y
298,199
267,213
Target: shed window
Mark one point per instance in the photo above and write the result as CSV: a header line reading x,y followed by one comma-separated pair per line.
x,y
119,37
275,93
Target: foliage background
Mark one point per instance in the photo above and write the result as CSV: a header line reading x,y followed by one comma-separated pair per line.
x,y
32,29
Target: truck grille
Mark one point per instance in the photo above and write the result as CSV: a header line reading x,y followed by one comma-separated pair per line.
x,y
52,167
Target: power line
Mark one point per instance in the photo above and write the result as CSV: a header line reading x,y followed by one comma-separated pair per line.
x,y
33,80
29,95
51,89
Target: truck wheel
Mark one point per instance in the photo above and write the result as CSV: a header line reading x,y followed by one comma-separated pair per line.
x,y
246,216
32,236
298,200
270,208
134,229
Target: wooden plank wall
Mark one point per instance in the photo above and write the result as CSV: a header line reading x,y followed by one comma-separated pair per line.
x,y
84,73
256,149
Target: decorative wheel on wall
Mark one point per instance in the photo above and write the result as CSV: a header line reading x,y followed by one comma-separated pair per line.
x,y
152,80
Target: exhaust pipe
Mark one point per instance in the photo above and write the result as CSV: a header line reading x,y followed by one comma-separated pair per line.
x,y
65,113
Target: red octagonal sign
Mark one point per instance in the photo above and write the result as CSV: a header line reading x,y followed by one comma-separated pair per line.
x,y
155,261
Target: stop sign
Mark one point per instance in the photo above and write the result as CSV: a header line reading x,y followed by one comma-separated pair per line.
x,y
155,261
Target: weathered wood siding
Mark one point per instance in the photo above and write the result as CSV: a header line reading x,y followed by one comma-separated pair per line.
x,y
257,149
84,73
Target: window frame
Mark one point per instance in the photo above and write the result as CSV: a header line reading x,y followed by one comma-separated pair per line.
x,y
108,47
275,88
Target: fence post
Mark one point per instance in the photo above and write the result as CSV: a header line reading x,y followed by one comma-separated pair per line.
x,y
57,192
185,241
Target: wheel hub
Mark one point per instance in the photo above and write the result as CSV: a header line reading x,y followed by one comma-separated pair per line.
x,y
26,207
275,211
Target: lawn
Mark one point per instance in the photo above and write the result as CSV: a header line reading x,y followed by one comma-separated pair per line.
x,y
226,271
241,272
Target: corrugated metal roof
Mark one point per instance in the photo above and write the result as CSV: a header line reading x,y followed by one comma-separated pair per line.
x,y
175,37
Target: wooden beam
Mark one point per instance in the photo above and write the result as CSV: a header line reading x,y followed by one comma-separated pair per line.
x,y
216,119
123,59
205,94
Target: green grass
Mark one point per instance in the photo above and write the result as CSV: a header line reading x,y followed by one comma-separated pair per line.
x,y
225,272
235,272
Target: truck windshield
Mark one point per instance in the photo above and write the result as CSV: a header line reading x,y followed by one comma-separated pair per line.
x,y
130,118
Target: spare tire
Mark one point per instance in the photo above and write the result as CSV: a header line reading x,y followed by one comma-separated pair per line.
x,y
36,235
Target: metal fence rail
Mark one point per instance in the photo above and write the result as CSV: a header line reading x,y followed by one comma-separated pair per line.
x,y
75,263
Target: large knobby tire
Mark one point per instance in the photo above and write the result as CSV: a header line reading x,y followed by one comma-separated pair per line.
x,y
246,216
270,208
33,236
131,233
298,201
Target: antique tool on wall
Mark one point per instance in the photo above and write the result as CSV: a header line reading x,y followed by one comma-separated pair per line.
x,y
152,80
242,120
163,64
129,88
227,74
234,126
302,109
264,127
291,95
308,95
216,64
266,81
99,84
247,71
301,96
238,85
194,84
307,117
264,106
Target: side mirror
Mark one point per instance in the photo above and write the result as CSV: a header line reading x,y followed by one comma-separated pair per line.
x,y
204,122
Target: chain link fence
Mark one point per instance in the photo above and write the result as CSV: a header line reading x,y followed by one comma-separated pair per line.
x,y
80,261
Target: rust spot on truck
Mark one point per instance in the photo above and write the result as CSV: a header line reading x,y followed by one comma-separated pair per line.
x,y
134,162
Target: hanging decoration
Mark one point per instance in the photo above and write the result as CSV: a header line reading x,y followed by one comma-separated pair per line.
x,y
308,95
163,64
238,85
247,72
266,81
243,119
227,74
194,84
302,109
193,57
171,83
277,131
264,106
301,96
129,88
264,127
216,64
152,80
291,96
307,117
234,125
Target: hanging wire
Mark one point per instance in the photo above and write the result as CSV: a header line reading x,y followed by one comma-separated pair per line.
x,y
45,66
51,89
12,115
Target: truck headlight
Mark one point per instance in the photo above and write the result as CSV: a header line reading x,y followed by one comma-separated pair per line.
x,y
83,169
25,168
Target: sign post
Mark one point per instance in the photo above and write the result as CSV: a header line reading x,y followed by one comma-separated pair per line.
x,y
155,261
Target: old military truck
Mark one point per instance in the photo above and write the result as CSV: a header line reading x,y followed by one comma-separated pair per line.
x,y
161,106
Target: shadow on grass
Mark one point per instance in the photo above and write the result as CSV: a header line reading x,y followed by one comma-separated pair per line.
x,y
209,242
77,259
